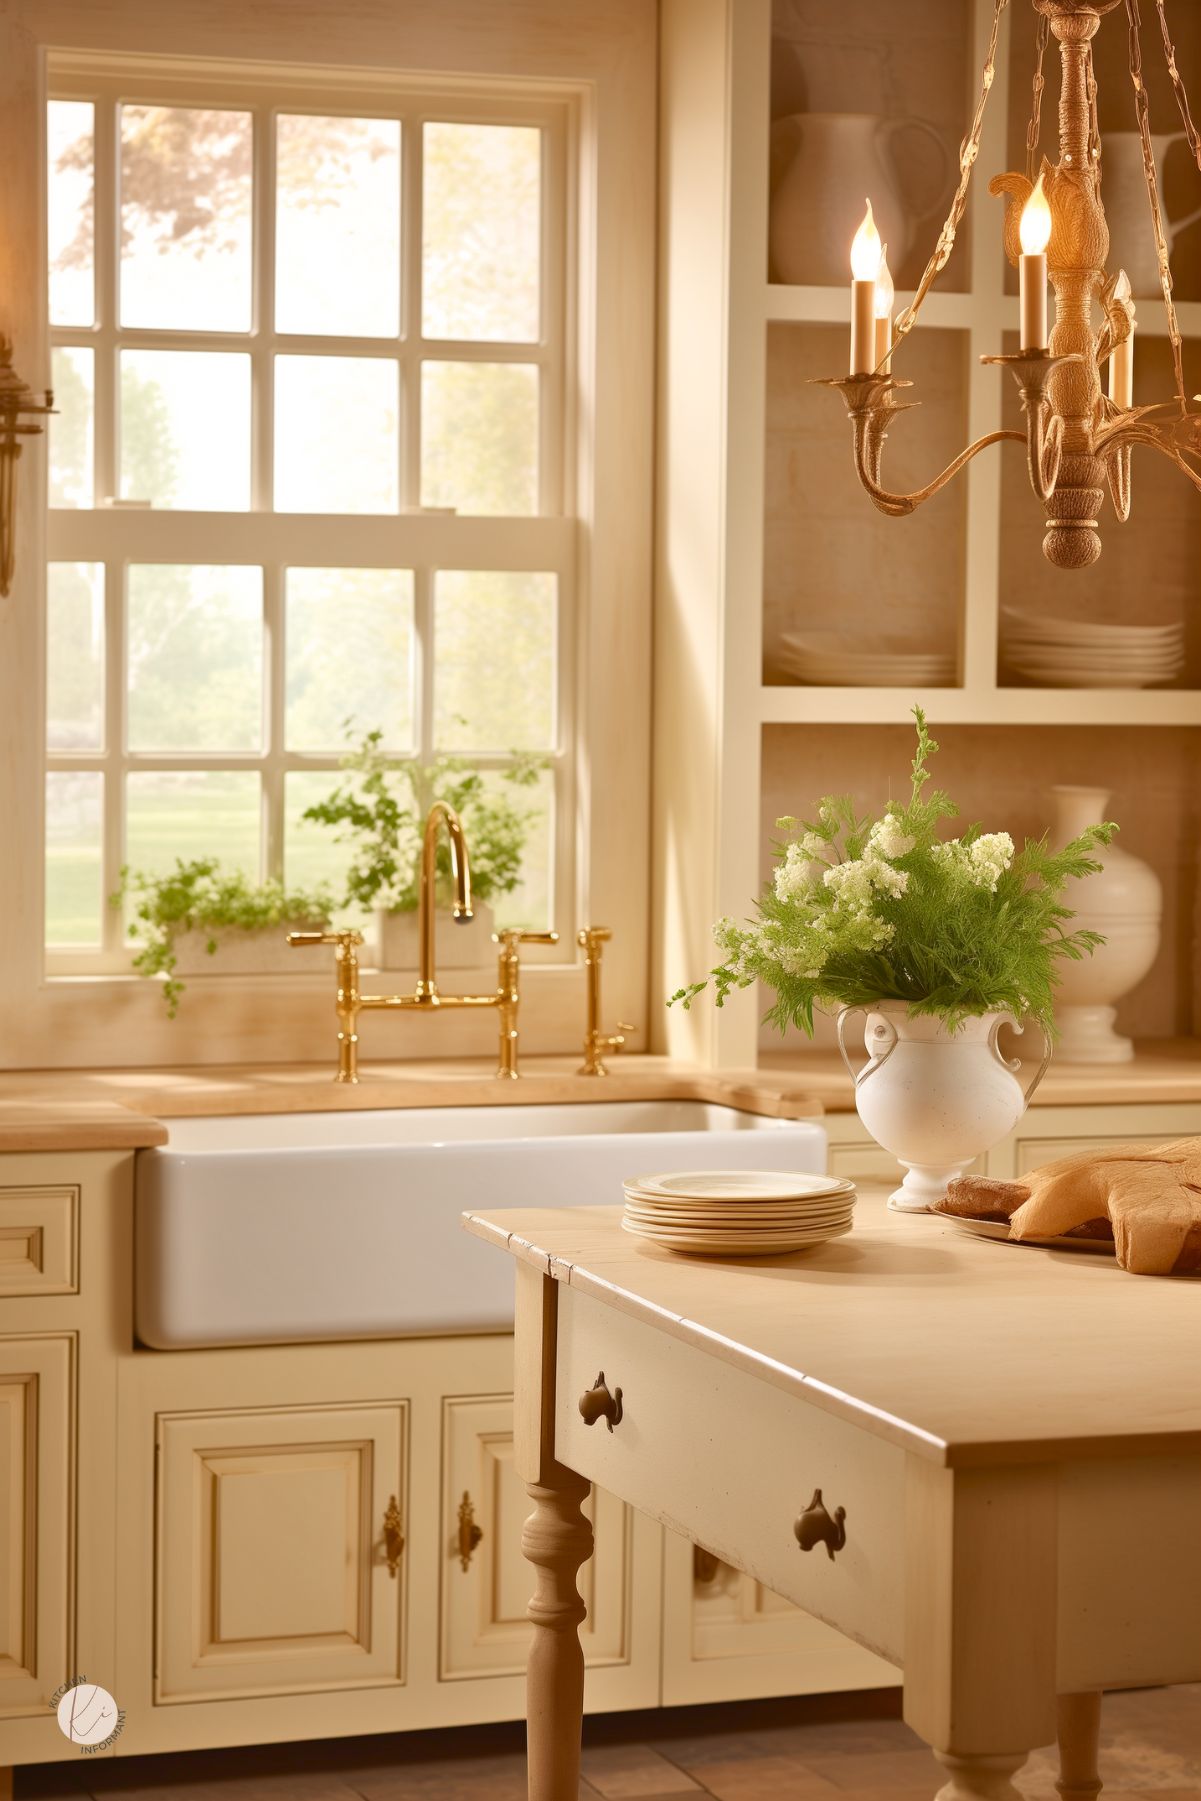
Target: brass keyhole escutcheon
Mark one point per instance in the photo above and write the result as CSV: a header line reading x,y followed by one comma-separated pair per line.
x,y
394,1540
815,1527
596,1403
469,1533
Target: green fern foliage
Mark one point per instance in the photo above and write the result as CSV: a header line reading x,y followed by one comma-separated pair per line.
x,y
865,909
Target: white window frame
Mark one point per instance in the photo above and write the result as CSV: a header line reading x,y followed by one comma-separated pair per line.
x,y
412,539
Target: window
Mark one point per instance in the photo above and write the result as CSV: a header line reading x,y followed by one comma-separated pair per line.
x,y
309,352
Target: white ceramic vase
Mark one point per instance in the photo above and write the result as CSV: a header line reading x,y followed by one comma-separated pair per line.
x,y
823,164
459,944
1124,902
936,1099
1128,208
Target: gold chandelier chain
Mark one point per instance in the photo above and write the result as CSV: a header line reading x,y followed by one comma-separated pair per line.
x,y
1142,107
969,150
1035,127
1190,130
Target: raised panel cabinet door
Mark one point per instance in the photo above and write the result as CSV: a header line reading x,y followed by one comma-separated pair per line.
x,y
37,1376
1034,1152
39,1240
279,1568
486,1582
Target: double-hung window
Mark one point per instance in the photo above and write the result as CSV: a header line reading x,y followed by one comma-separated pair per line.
x,y
309,476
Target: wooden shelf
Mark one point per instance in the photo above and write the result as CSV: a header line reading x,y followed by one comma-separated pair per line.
x,y
801,705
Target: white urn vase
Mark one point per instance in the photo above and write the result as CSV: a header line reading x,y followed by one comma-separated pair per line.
x,y
1124,902
936,1098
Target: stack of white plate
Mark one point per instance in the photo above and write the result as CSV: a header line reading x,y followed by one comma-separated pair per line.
x,y
829,660
1071,653
738,1213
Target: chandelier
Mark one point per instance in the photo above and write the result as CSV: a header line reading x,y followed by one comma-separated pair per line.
x,y
1078,437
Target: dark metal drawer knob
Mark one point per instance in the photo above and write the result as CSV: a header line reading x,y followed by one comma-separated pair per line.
x,y
596,1403
815,1527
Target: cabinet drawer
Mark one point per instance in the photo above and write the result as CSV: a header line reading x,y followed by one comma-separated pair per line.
x,y
486,1584
39,1241
271,1571
730,1460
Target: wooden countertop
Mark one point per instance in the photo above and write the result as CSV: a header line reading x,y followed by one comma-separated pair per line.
x,y
1163,1069
961,1349
122,1108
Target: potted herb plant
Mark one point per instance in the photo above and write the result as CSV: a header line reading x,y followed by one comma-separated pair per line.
x,y
380,809
199,912
939,941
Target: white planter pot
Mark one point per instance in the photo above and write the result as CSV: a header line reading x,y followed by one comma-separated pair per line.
x,y
458,944
936,1099
1124,902
239,952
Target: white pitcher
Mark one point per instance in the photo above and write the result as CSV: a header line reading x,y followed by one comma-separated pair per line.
x,y
823,166
1128,208
936,1099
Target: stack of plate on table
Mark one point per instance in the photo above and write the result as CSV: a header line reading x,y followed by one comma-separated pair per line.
x,y
738,1213
829,660
1078,653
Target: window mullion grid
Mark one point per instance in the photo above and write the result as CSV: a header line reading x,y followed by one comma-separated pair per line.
x,y
410,314
273,779
106,239
112,928
423,620
262,329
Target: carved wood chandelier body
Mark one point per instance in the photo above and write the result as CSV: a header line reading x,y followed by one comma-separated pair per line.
x,y
1079,438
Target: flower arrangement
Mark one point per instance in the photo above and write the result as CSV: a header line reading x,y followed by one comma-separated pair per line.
x,y
200,896
381,809
863,910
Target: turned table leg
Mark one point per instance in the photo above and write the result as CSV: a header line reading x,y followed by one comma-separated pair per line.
x,y
979,1778
556,1539
1079,1737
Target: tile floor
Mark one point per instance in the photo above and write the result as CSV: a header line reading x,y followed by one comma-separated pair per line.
x,y
829,1748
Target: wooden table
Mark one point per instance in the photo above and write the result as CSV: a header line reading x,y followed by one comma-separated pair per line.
x,y
1014,1435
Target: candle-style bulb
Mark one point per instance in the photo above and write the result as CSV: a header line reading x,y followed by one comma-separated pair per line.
x,y
866,249
1122,291
885,291
1034,229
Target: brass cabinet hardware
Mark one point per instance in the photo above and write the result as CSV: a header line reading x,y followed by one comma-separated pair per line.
x,y
469,1533
394,1538
596,1403
815,1527
706,1566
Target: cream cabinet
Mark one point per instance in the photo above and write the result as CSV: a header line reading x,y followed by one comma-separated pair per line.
x,y
485,1579
36,1519
272,1530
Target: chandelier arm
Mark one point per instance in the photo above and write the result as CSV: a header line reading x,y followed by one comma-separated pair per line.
x,y
1117,473
969,150
868,433
1190,130
1044,448
1034,129
1142,110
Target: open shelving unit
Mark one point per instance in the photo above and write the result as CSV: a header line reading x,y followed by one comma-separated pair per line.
x,y
761,500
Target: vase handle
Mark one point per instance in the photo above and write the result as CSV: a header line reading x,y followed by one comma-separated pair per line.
x,y
891,128
873,1063
1013,1064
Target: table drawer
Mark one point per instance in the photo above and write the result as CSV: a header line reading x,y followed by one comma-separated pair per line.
x,y
730,1460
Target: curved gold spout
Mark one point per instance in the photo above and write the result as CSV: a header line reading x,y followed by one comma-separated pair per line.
x,y
460,872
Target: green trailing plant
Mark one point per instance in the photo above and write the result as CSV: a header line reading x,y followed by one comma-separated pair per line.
x,y
381,810
198,896
864,909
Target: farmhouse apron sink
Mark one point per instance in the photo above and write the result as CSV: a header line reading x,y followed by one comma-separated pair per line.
x,y
274,1229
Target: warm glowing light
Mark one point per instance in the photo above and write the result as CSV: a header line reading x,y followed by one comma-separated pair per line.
x,y
885,292
1035,228
866,249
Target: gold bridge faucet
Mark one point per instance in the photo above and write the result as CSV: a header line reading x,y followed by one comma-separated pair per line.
x,y
592,941
426,997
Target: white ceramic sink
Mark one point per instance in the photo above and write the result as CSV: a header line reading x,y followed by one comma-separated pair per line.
x,y
271,1229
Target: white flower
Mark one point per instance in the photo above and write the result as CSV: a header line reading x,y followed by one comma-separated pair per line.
x,y
811,845
988,858
794,876
887,838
